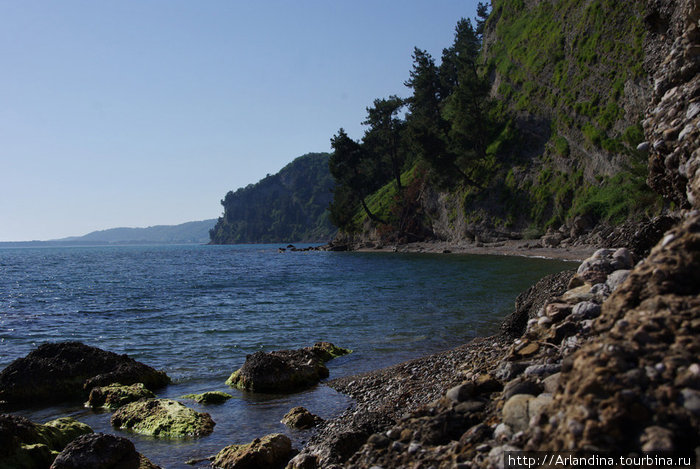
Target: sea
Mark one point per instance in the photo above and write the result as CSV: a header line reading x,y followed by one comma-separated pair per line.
x,y
197,311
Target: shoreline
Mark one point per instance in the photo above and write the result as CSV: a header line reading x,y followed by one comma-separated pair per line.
x,y
518,248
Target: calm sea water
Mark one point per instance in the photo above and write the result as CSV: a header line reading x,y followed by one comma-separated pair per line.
x,y
197,311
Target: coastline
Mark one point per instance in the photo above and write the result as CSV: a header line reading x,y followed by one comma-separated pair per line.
x,y
523,248
577,349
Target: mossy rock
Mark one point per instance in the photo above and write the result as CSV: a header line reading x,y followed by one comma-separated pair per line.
x,y
269,451
209,397
300,418
164,418
57,372
116,395
285,371
28,445
328,351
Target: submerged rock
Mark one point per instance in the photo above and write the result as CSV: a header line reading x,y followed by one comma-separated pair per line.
x,y
162,418
116,395
300,418
58,372
101,451
271,451
28,445
285,370
209,397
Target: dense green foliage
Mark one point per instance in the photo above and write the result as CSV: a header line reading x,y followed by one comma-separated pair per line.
x,y
443,138
289,206
529,118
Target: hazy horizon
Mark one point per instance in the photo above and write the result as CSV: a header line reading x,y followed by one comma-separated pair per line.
x,y
135,114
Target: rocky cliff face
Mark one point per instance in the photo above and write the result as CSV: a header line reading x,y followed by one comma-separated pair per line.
x,y
672,123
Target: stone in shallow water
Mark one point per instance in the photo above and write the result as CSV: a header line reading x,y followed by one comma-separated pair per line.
x,y
162,418
269,451
24,444
117,395
285,371
58,372
300,418
100,451
209,397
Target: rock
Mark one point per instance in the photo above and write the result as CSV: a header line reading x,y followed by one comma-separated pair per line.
x,y
271,451
536,405
209,397
657,438
300,418
521,385
585,310
327,351
578,294
528,303
163,418
691,400
542,370
557,311
486,384
461,392
562,331
502,432
101,451
59,432
616,278
469,407
24,444
116,395
515,412
506,370
551,383
622,259
58,372
285,370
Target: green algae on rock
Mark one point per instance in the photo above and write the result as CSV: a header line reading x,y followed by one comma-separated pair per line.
x,y
285,371
269,451
209,397
57,372
116,395
28,445
163,418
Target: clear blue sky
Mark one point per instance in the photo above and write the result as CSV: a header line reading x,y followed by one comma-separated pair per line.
x,y
146,112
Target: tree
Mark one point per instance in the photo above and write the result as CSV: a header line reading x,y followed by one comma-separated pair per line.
x,y
383,138
353,168
482,14
466,108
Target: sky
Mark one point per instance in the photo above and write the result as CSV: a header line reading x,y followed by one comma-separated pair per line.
x,y
147,112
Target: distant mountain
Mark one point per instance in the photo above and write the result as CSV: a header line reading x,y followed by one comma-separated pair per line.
x,y
285,207
193,232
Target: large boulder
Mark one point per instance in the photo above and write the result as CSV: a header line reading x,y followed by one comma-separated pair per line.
x,y
58,372
117,395
101,451
28,445
163,418
271,451
285,371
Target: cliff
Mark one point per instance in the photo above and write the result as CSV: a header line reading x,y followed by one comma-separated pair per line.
x,y
288,206
569,85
